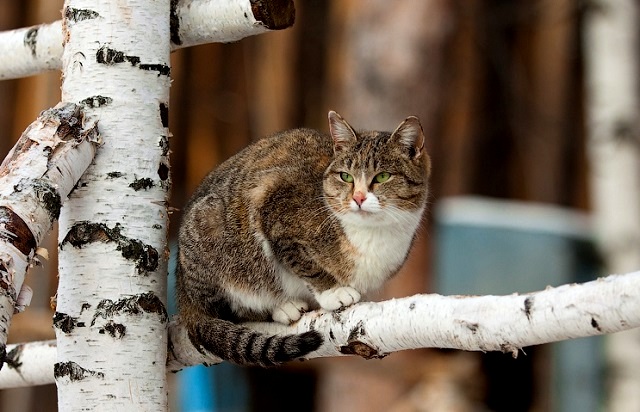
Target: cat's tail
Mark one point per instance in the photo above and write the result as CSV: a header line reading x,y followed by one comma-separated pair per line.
x,y
244,346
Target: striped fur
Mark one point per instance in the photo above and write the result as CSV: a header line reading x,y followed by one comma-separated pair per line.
x,y
276,230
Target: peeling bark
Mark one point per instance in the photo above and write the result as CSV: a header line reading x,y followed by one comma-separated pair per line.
x,y
35,177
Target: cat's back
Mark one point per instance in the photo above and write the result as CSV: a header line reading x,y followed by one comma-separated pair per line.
x,y
280,159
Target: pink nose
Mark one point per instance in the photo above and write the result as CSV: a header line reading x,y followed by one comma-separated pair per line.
x,y
359,197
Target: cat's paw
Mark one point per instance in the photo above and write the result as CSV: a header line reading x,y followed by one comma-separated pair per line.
x,y
290,311
338,297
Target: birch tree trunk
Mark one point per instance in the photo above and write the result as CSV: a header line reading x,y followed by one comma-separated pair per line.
x,y
110,319
614,141
35,178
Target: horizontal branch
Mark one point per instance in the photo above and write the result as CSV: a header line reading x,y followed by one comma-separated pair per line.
x,y
474,323
38,48
29,364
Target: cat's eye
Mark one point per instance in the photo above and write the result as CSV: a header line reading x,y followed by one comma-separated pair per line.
x,y
382,177
346,177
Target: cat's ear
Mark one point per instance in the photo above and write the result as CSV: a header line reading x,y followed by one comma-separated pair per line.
x,y
410,135
341,132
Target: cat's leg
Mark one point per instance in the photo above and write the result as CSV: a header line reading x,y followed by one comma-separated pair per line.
x,y
290,311
337,297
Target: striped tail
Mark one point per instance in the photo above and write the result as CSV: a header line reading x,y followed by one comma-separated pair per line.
x,y
244,346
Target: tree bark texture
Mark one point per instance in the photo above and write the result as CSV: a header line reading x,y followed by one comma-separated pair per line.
x,y
110,319
374,330
614,141
35,179
39,48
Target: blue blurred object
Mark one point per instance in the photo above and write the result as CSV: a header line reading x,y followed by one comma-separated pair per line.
x,y
493,247
219,388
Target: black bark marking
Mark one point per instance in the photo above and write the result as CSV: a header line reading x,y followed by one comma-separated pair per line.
x,y
85,306
77,15
174,23
528,304
336,315
65,322
163,171
472,326
274,15
115,330
47,195
12,359
109,56
16,232
412,306
162,69
140,184
357,332
96,101
164,114
133,305
595,325
71,120
49,198
74,371
361,349
331,335
31,40
164,145
82,233
114,175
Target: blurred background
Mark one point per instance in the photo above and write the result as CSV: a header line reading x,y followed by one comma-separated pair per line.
x,y
501,91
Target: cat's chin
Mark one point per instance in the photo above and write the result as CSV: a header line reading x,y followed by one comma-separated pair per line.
x,y
363,218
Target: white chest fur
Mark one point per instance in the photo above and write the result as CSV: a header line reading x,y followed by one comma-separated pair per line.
x,y
381,248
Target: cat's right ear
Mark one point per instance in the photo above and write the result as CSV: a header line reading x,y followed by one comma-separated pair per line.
x,y
341,132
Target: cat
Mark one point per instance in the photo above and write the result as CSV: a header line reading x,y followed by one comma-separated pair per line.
x,y
294,222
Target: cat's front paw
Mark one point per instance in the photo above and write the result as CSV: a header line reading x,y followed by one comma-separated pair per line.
x,y
338,297
290,311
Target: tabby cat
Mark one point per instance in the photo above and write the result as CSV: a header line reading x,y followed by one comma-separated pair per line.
x,y
297,221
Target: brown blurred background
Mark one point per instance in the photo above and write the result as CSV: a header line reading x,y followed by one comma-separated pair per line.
x,y
497,84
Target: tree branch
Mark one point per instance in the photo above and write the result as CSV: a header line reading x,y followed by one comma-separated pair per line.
x,y
35,178
475,323
39,48
376,329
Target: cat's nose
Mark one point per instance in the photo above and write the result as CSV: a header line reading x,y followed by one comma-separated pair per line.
x,y
359,197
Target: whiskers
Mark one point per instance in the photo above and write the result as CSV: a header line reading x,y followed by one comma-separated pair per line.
x,y
323,209
401,218
328,210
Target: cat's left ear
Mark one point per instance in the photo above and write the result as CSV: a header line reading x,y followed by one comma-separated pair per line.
x,y
341,132
410,135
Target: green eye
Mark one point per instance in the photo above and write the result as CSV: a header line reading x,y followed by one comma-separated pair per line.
x,y
346,177
382,177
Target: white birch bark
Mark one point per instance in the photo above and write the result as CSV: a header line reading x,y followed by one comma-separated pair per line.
x,y
376,329
611,51
110,319
35,178
474,323
39,48
29,364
